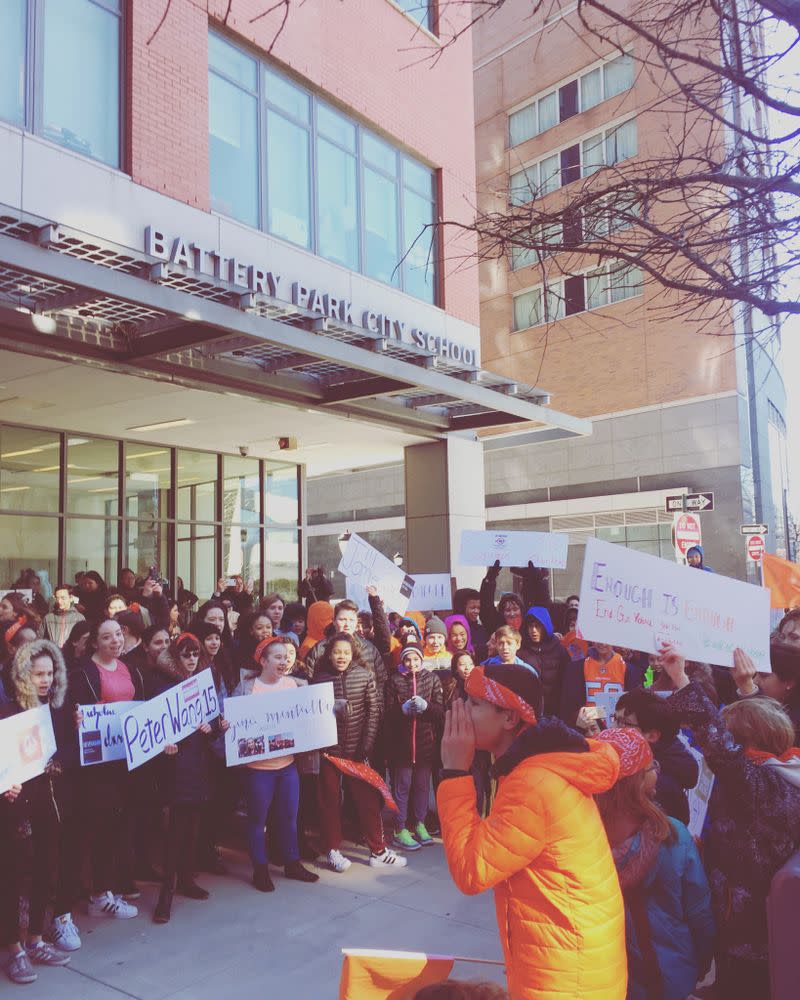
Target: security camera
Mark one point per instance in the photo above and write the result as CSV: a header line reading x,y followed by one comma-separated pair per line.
x,y
244,451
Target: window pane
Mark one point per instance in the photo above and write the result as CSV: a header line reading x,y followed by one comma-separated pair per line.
x,y
233,154
523,257
621,142
592,154
196,554
524,185
591,89
148,546
618,75
554,302
550,174
574,298
596,289
242,489
148,477
420,10
528,309
570,164
197,486
12,61
287,96
288,180
380,227
419,177
29,469
91,544
92,476
568,100
419,265
28,542
522,124
80,85
612,534
337,205
241,553
548,111
625,282
232,62
282,564
380,154
336,127
283,506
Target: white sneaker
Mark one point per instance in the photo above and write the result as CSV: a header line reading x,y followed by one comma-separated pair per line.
x,y
109,905
64,934
337,862
43,953
387,860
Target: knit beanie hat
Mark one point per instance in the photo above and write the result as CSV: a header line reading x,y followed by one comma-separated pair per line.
x,y
412,647
633,749
435,626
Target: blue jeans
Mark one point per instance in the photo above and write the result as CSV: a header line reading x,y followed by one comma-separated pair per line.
x,y
262,787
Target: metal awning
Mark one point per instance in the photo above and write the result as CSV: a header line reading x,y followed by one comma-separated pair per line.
x,y
67,295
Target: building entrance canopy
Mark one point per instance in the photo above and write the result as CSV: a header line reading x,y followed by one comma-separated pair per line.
x,y
65,294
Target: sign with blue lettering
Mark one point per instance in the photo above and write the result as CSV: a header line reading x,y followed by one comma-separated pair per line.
x,y
100,732
168,718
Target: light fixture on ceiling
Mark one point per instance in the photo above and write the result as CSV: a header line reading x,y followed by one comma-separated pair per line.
x,y
162,425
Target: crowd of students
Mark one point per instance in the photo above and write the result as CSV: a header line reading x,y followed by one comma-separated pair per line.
x,y
98,831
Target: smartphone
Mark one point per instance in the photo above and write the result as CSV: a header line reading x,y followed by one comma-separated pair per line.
x,y
153,574
230,582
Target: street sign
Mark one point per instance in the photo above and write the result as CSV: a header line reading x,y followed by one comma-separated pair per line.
x,y
678,503
754,529
686,532
755,547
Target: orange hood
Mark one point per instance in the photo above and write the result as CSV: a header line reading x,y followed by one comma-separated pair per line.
x,y
320,615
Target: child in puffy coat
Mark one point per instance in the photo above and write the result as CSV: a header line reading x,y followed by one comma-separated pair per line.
x,y
414,711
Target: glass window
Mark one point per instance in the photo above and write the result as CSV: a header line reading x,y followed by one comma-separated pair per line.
x,y
242,489
523,256
419,260
524,185
570,164
338,204
554,301
522,125
528,309
288,180
12,60
568,100
549,174
92,476
196,554
420,10
80,77
574,295
618,75
381,246
148,545
286,96
29,469
282,563
336,127
241,553
624,283
233,150
548,111
148,477
234,63
379,153
596,289
592,154
283,504
196,486
621,142
28,542
591,89
91,544
418,177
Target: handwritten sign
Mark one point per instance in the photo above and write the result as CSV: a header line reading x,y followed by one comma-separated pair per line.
x,y
168,718
364,566
27,743
632,599
432,592
263,726
514,548
25,594
100,736
699,796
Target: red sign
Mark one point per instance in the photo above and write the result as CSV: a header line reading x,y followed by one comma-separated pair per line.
x,y
686,530
755,547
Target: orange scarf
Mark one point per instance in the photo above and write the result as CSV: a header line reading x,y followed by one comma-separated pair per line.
x,y
761,756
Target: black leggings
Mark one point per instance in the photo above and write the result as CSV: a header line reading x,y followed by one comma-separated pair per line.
x,y
43,864
180,852
109,819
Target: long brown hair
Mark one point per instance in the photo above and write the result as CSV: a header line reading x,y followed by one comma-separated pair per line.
x,y
628,798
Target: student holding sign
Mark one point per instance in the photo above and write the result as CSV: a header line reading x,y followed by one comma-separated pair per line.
x,y
37,677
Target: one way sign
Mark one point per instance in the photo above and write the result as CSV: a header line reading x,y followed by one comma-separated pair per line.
x,y
682,502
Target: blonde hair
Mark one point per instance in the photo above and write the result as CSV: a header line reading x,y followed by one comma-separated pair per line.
x,y
25,690
508,632
760,724
629,798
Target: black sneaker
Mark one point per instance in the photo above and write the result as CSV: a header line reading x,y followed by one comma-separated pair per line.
x,y
261,879
192,890
296,871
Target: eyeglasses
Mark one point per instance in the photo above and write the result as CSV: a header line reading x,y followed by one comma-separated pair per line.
x,y
655,767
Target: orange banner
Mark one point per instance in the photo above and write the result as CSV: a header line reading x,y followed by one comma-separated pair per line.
x,y
389,975
783,579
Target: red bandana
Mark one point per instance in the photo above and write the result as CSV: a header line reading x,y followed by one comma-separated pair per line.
x,y
481,686
187,635
258,652
12,630
633,749
363,772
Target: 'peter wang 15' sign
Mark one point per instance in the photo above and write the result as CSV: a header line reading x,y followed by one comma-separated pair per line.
x,y
169,718
257,278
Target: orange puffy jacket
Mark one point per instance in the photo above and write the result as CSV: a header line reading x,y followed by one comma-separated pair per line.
x,y
544,851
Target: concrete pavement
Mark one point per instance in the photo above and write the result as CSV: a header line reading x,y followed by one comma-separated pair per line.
x,y
286,944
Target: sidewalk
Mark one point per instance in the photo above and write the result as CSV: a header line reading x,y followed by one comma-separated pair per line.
x,y
245,943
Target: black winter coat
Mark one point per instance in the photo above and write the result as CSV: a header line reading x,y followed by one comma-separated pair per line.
x,y
551,660
356,726
413,739
367,653
678,772
84,683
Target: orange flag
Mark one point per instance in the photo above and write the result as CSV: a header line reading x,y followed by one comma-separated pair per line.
x,y
783,579
389,975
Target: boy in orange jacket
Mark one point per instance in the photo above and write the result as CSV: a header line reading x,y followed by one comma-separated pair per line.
x,y
542,848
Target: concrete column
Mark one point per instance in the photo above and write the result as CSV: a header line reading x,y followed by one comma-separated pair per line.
x,y
444,495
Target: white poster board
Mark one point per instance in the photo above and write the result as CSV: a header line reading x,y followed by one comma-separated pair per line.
x,y
27,743
263,726
100,736
632,599
700,795
364,566
25,594
432,592
168,718
514,548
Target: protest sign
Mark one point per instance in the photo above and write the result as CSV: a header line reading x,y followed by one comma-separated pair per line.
x,y
364,566
432,592
100,736
514,548
26,595
700,795
168,718
636,600
278,723
27,743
